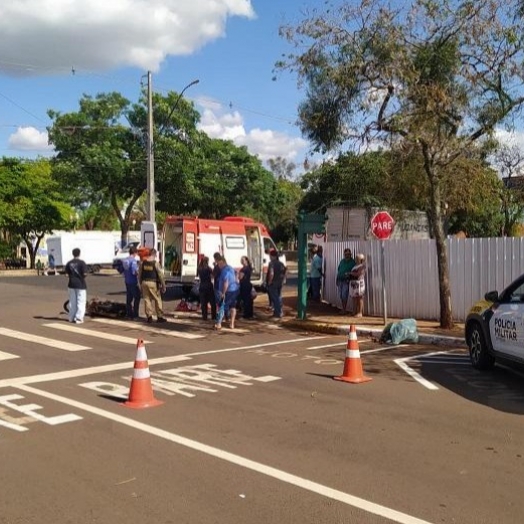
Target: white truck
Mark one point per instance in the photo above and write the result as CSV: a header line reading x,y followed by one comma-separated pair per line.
x,y
97,248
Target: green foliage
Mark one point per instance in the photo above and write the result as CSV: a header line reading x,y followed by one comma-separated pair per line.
x,y
354,180
31,202
101,161
432,77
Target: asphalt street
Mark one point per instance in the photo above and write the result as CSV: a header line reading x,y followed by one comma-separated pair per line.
x,y
252,427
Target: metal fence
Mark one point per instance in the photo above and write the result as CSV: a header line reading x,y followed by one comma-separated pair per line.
x,y
476,265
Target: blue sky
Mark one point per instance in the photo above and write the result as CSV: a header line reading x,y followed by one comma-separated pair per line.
x,y
230,46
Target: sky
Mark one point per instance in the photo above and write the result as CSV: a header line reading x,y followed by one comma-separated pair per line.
x,y
52,52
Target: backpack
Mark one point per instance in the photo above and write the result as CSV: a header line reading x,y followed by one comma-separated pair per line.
x,y
119,266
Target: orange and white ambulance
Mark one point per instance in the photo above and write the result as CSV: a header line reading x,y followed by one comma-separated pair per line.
x,y
184,241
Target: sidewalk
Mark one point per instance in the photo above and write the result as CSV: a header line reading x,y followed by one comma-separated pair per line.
x,y
324,318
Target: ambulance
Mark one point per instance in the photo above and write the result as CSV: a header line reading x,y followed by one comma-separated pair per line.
x,y
184,241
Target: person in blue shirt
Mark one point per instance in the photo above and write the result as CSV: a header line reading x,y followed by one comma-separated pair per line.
x,y
130,271
228,290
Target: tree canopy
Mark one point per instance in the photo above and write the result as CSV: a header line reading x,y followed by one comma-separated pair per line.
x,y
431,78
101,158
31,203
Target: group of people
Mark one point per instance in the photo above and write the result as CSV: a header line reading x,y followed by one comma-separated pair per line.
x,y
220,290
350,280
143,278
223,290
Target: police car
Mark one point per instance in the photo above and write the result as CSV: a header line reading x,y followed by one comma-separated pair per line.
x,y
495,327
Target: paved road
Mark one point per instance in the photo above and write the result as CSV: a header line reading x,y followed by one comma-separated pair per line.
x,y
252,427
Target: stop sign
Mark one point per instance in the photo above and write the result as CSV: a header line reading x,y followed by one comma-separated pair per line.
x,y
382,225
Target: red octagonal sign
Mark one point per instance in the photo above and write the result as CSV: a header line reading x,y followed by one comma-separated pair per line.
x,y
382,225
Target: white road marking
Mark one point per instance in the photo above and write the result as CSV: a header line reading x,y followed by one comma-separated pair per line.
x,y
267,378
7,356
341,344
62,375
58,344
145,327
82,372
258,467
457,362
198,322
90,333
386,348
401,362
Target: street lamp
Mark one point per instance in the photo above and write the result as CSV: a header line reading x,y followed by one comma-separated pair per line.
x,y
150,152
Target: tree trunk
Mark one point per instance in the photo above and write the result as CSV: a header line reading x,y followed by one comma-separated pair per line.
x,y
446,318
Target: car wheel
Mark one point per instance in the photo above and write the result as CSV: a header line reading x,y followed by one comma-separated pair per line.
x,y
479,354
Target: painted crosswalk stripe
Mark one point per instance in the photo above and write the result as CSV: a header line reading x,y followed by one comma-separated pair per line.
x,y
197,324
44,341
7,356
90,333
144,327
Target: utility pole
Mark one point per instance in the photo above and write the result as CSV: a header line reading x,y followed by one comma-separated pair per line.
x,y
150,153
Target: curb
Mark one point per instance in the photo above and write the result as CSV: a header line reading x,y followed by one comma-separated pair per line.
x,y
331,329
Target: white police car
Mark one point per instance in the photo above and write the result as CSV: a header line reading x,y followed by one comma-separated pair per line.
x,y
495,327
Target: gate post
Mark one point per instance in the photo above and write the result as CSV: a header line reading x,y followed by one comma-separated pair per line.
x,y
307,224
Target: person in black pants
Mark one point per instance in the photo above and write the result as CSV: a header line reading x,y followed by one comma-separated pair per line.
x,y
246,288
206,289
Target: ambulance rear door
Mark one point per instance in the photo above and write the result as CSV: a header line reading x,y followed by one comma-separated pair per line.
x,y
148,235
189,265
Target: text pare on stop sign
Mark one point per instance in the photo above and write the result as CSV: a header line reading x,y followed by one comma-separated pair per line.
x,y
382,225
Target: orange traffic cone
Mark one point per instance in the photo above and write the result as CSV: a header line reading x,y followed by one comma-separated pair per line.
x,y
352,364
141,391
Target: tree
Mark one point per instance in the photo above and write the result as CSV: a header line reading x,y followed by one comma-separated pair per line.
x,y
510,162
31,204
99,159
351,179
102,160
431,78
472,199
281,168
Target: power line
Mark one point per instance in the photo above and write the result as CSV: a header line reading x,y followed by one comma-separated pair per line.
x,y
21,107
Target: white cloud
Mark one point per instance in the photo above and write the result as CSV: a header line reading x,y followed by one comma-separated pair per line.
x,y
39,37
29,139
511,138
264,143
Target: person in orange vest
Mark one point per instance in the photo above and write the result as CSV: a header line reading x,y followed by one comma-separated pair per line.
x,y
153,285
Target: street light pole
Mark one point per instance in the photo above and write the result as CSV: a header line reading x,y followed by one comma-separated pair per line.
x,y
150,154
175,105
150,214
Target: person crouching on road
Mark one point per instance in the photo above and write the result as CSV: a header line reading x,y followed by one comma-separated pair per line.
x,y
152,284
76,270
130,269
228,290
